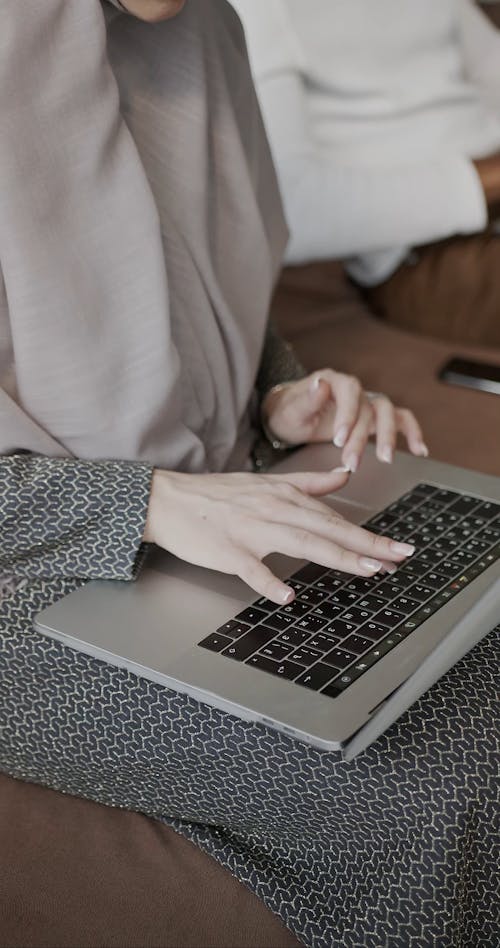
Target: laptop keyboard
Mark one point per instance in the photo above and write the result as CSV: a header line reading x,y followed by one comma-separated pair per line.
x,y
340,625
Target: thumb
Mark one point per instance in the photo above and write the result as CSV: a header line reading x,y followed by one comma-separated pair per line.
x,y
318,483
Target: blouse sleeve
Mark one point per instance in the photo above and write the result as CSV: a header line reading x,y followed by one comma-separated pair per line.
x,y
278,363
72,518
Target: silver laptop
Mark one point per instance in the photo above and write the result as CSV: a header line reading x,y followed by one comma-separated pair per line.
x,y
342,662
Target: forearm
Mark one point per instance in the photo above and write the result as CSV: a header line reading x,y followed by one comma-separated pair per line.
x,y
72,518
278,365
337,213
339,209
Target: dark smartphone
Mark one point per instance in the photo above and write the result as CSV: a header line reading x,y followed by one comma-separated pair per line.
x,y
479,375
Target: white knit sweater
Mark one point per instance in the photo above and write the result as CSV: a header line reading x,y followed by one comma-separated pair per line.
x,y
374,109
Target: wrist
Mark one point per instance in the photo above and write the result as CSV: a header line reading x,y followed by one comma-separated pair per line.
x,y
267,408
158,501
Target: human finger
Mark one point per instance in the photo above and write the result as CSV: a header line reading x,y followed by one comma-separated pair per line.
x,y
410,428
347,393
304,544
385,428
323,522
315,483
260,578
356,444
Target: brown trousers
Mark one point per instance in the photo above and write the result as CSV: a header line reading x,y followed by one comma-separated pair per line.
x,y
449,289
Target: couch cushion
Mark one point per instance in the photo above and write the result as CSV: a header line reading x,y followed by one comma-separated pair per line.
x,y
77,874
328,322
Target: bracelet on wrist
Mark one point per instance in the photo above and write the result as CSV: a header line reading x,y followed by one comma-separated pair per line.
x,y
276,443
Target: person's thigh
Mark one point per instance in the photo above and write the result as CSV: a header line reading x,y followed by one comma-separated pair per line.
x,y
329,846
449,289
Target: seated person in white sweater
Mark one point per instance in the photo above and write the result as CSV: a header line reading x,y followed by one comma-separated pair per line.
x,y
384,120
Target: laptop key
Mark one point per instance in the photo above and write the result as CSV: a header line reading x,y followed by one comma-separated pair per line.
x,y
488,510
251,642
445,496
405,605
389,589
323,642
436,580
251,615
339,658
306,655
280,621
233,628
266,604
476,546
296,608
358,616
490,535
341,682
420,592
464,558
340,628
372,603
297,587
327,611
329,584
357,643
294,637
343,597
309,573
363,586
389,618
421,490
465,505
313,595
317,676
215,642
288,670
311,623
373,630
276,650
447,568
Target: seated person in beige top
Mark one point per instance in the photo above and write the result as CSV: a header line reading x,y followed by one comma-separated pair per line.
x,y
141,234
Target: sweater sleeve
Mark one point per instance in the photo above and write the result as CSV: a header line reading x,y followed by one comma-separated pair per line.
x,y
278,363
481,50
335,209
72,518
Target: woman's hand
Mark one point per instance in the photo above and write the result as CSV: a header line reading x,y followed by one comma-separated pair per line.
x,y
330,406
230,522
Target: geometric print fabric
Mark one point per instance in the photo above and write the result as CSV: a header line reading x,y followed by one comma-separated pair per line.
x,y
397,848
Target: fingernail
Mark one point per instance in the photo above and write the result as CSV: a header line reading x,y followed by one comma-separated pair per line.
x,y
340,438
288,595
423,450
389,568
352,463
386,454
373,565
341,470
404,548
313,388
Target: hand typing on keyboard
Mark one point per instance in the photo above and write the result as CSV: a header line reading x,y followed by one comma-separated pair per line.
x,y
338,627
230,522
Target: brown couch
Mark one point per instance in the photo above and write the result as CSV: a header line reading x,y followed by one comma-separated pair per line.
x,y
79,875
